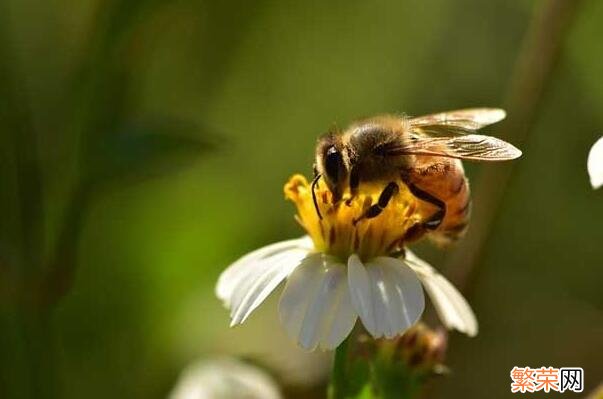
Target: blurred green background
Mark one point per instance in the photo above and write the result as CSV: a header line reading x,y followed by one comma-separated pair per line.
x,y
144,145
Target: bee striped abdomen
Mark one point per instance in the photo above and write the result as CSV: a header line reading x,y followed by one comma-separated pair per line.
x,y
445,180
458,209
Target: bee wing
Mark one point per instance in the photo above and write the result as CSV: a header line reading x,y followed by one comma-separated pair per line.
x,y
459,122
472,146
451,134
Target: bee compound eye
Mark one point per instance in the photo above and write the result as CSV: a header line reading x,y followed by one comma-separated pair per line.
x,y
332,163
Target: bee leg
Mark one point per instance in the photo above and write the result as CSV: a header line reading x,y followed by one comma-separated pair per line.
x,y
386,195
414,233
436,219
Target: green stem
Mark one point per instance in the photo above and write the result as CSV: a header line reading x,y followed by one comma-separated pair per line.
x,y
540,53
337,390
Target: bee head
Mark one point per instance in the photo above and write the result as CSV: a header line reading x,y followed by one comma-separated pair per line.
x,y
331,164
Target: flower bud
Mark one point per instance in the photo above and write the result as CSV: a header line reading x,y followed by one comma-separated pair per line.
x,y
422,349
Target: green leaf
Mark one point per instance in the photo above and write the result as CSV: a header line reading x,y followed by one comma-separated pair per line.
x,y
140,150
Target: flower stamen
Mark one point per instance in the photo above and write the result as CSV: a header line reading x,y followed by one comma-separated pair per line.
x,y
342,228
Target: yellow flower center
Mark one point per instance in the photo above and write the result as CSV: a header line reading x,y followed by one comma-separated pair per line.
x,y
342,230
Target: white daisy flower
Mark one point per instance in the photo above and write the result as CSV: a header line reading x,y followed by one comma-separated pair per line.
x,y
342,271
224,378
595,164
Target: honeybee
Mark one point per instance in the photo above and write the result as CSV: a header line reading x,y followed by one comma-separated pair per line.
x,y
423,153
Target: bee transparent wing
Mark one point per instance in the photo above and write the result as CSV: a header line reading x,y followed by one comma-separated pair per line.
x,y
472,146
452,134
459,122
442,130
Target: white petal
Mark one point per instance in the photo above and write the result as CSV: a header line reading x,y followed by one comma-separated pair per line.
x,y
451,306
315,307
386,294
360,289
268,274
247,283
595,164
239,270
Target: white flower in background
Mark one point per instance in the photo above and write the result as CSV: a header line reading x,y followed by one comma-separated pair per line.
x,y
224,378
595,164
338,273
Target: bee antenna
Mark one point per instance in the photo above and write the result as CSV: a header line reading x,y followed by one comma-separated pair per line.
x,y
314,183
